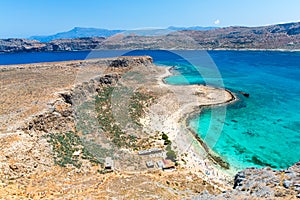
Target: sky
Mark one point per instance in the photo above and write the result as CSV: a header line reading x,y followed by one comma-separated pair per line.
x,y
24,18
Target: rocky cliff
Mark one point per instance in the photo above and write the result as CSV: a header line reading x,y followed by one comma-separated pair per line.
x,y
24,45
21,45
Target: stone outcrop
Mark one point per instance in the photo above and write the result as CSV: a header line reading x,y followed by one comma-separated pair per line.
x,y
269,183
265,183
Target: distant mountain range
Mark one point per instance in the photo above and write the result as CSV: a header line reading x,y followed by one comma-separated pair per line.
x,y
192,28
273,37
79,32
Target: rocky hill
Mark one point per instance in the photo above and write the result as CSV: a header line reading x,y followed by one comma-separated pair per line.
x,y
281,36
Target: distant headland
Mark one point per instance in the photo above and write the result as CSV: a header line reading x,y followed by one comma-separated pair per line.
x,y
273,37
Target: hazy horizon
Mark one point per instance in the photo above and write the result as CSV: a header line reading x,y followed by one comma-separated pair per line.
x,y
143,28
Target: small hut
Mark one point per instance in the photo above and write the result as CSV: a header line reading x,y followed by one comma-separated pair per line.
x,y
160,164
150,164
109,163
168,165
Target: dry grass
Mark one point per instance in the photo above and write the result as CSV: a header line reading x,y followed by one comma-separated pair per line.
x,y
26,91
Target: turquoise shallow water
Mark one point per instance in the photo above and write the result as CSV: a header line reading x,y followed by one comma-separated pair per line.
x,y
263,130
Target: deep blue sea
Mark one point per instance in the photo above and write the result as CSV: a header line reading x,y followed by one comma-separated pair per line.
x,y
262,130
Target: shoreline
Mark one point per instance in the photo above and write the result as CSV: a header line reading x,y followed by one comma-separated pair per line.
x,y
87,50
215,158
90,50
212,155
188,116
200,158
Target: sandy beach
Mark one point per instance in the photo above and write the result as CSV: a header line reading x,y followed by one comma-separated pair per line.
x,y
170,115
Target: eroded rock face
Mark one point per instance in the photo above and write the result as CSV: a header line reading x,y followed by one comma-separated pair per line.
x,y
21,45
61,116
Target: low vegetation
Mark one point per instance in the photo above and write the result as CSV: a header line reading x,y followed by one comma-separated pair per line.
x,y
64,147
166,139
107,121
171,154
138,102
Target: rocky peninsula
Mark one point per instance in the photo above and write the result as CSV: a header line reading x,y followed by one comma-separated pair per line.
x,y
61,121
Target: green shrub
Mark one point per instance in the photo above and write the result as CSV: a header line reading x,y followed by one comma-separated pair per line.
x,y
166,139
164,136
64,146
138,102
171,155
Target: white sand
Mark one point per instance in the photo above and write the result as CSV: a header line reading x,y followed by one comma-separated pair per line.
x,y
169,115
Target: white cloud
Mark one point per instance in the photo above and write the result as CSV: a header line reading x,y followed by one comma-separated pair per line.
x,y
217,22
